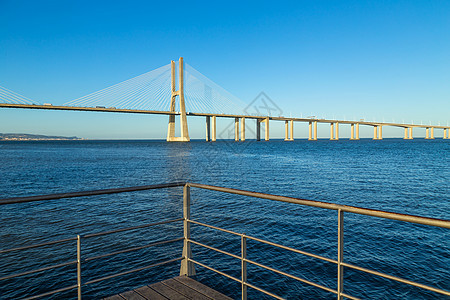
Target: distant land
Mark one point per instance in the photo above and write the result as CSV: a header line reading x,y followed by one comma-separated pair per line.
x,y
34,137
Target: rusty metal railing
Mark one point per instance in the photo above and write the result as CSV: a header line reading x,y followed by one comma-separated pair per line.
x,y
187,259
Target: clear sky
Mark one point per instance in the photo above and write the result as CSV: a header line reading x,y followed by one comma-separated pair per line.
x,y
383,60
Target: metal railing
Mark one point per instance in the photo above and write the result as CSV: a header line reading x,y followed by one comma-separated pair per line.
x,y
340,263
187,260
79,261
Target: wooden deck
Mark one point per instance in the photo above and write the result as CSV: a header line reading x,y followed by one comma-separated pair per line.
x,y
178,288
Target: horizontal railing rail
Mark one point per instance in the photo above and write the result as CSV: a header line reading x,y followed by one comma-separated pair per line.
x,y
89,193
187,260
332,206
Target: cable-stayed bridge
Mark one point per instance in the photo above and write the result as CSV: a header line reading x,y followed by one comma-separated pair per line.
x,y
186,92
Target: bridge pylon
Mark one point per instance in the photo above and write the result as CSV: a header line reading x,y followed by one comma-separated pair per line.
x,y
180,93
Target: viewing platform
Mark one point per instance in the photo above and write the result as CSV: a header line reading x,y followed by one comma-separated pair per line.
x,y
178,288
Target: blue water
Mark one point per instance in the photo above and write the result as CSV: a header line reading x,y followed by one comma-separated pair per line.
x,y
394,175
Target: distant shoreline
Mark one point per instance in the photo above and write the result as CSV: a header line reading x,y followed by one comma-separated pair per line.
x,y
35,137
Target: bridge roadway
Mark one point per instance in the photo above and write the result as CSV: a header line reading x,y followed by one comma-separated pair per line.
x,y
312,121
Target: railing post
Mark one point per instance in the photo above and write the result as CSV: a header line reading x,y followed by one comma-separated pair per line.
x,y
79,266
340,273
244,266
187,267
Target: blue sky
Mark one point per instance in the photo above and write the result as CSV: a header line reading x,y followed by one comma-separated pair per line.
x,y
383,60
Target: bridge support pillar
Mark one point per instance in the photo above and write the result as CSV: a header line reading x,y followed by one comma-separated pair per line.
x,y
242,129
446,134
312,131
258,129
334,131
292,130
337,131
180,93
357,131
208,128
213,136
289,130
266,136
331,131
315,130
352,131
266,128
286,130
408,133
377,132
429,133
236,129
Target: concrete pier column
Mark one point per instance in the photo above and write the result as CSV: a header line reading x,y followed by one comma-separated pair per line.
x,y
243,129
258,129
375,132
357,131
267,129
408,133
310,131
446,135
213,137
236,129
208,128
286,130
183,120
292,130
336,127
180,94
315,130
331,131
380,132
352,131
432,133
427,133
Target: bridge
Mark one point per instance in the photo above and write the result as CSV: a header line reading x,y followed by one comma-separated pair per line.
x,y
158,93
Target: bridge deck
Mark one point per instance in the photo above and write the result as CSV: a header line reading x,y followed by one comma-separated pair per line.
x,y
178,288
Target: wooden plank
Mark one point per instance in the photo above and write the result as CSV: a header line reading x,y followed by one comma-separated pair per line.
x,y
201,288
115,297
167,292
149,293
131,295
185,290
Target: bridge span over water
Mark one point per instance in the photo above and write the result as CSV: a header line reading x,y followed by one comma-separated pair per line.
x,y
146,93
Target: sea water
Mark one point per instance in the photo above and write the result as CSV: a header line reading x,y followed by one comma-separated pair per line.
x,y
409,177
